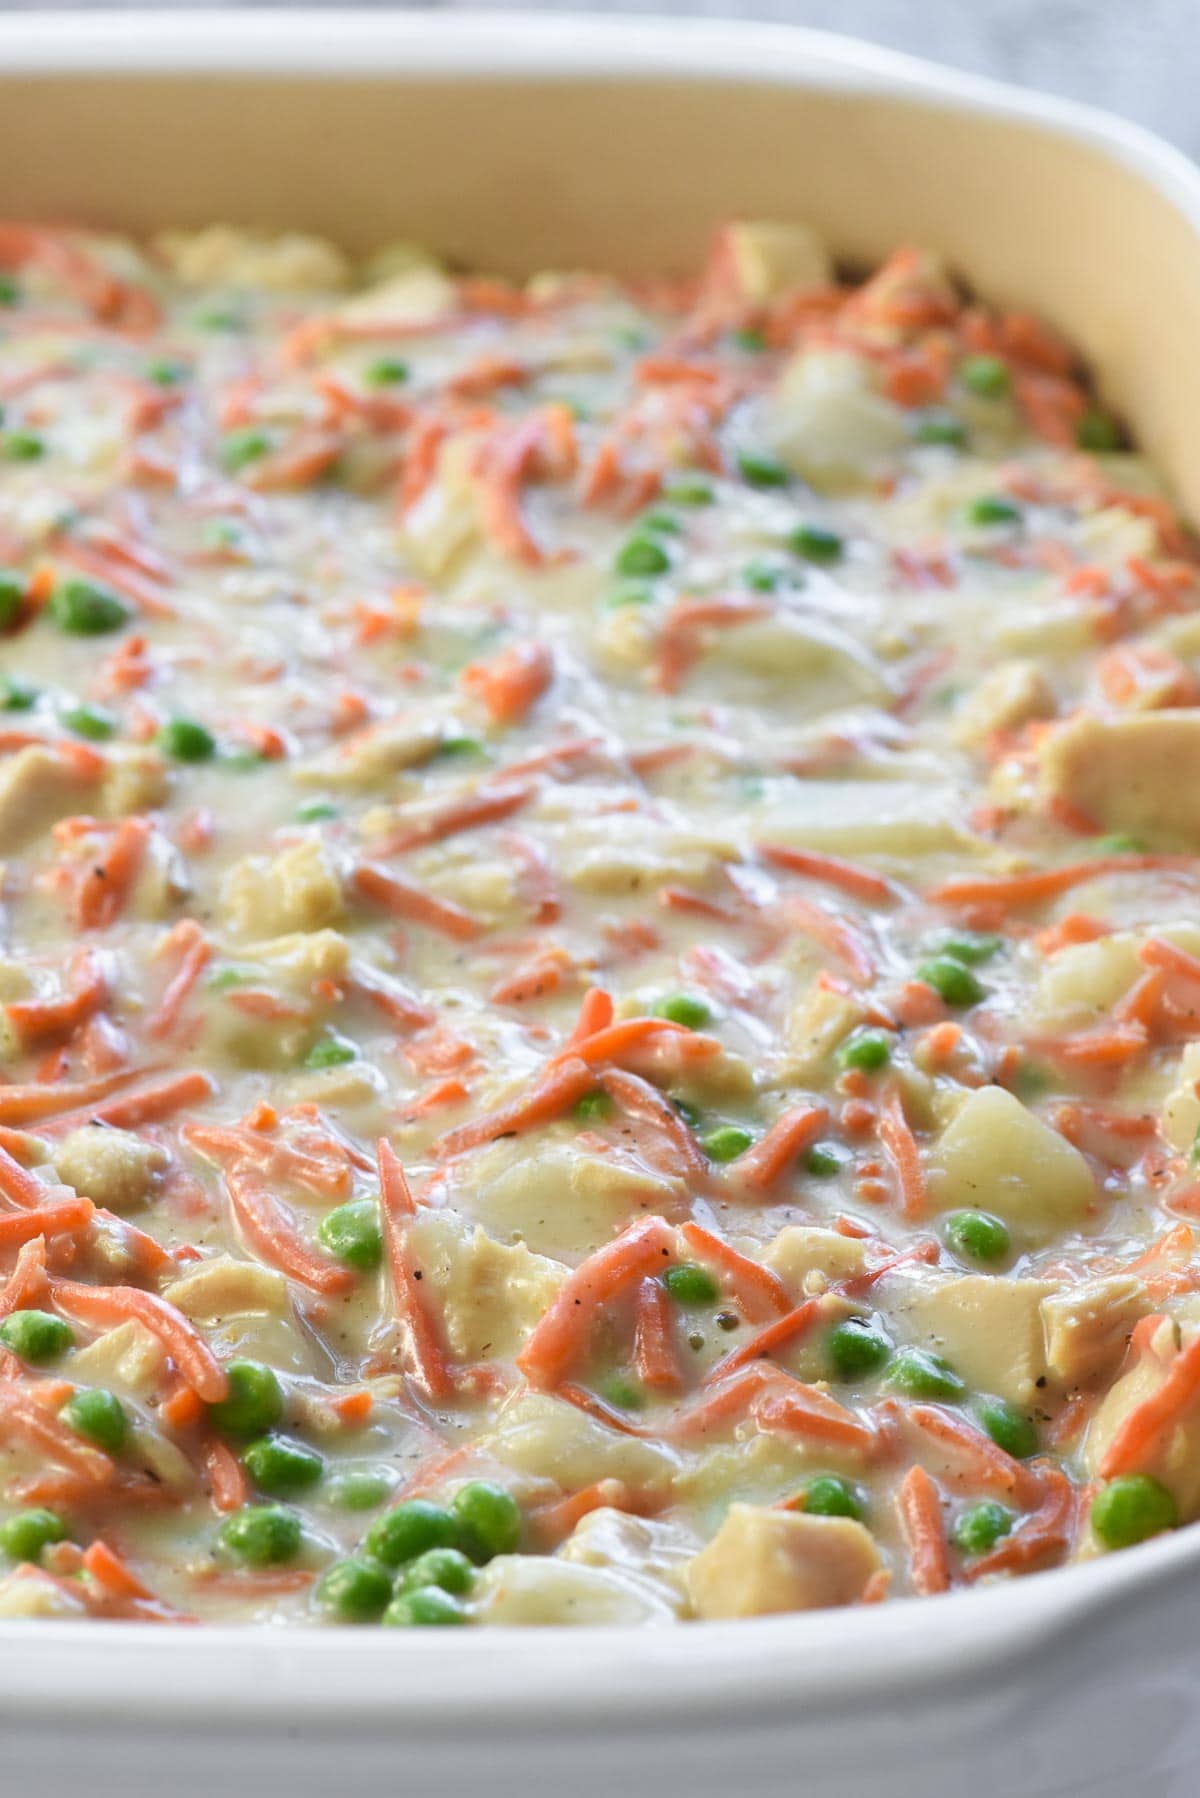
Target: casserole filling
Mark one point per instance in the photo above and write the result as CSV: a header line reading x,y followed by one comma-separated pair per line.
x,y
600,967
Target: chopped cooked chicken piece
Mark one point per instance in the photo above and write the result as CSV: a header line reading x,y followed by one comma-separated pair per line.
x,y
114,1167
762,1561
1139,773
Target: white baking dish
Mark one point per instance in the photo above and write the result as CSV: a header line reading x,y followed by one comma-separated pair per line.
x,y
514,142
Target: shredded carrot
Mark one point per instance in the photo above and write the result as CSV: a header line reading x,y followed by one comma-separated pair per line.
x,y
553,1523
396,1206
835,934
782,1332
561,1333
106,1306
543,973
806,1411
511,683
654,1339
758,1293
1016,891
920,1511
62,1219
107,884
24,1420
774,1153
1046,1533
36,1020
831,870
227,1484
615,1041
983,1462
559,1088
487,805
196,955
638,1099
1141,1430
143,1106
404,900
274,1235
900,1145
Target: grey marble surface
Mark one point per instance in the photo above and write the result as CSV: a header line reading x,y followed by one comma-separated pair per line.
x,y
1138,57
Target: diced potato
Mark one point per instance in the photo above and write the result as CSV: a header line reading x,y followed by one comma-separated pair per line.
x,y
1172,1456
764,1561
642,1545
296,890
770,258
995,1155
543,1589
543,1436
224,1287
1087,1326
641,856
987,1327
822,669
444,523
416,294
1139,773
1008,696
806,1258
115,1168
816,1024
866,817
828,424
224,256
1084,981
28,1593
129,1358
135,780
489,1294
1181,1108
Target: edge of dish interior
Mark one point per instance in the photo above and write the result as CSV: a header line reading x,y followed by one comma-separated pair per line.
x,y
87,89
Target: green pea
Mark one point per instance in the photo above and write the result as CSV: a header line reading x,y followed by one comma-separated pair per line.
x,y
1009,1428
167,373
254,1403
642,556
687,1111
761,577
352,1234
261,1535
689,1284
826,1495
99,1416
685,1008
218,318
409,1530
316,811
12,597
281,1468
762,471
24,1535
86,609
986,376
427,1607
978,1236
941,428
85,721
1098,432
689,493
489,1519
593,1107
444,1567
748,339
625,597
980,1527
359,1490
385,371
867,1050
952,980
331,1052
726,1143
1130,1509
241,448
815,544
623,1394
186,740
36,1335
23,446
1117,842
461,747
920,1374
972,946
660,522
354,1590
990,509
857,1346
16,695
822,1162
10,292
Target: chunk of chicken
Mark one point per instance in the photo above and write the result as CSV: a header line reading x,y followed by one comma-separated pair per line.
x,y
1171,1455
541,1436
817,1023
298,890
115,1168
414,294
1087,1326
1181,1107
995,1155
29,1593
828,423
563,1202
37,788
488,1293
761,1561
129,1357
1139,773
224,1287
373,757
988,1328
543,1589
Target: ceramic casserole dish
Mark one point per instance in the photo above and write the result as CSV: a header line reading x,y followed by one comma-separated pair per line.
x,y
513,142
